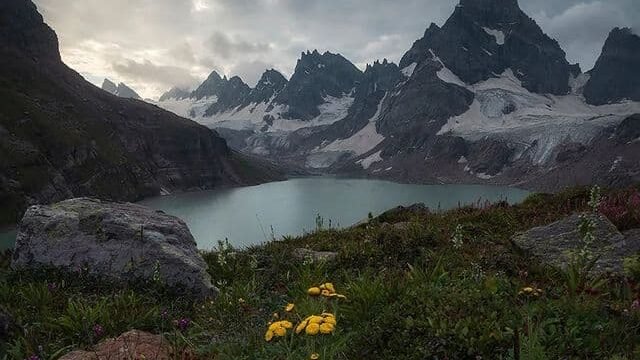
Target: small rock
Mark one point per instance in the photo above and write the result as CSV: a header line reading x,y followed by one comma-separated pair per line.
x,y
303,254
555,242
133,344
116,241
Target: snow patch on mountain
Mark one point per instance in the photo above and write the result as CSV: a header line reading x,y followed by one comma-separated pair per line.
x,y
537,123
189,107
363,141
372,159
497,34
252,117
445,74
408,71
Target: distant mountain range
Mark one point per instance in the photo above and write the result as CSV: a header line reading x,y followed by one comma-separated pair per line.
x,y
486,98
62,137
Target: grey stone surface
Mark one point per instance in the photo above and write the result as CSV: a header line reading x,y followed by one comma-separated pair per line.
x,y
116,241
554,243
303,254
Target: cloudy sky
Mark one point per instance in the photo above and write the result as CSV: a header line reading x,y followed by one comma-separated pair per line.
x,y
154,44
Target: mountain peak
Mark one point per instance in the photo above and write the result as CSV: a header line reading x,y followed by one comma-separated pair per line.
x,y
210,86
23,29
616,76
271,78
109,86
487,37
127,92
121,90
495,13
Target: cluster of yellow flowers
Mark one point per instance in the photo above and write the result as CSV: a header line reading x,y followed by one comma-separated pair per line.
x,y
530,291
318,324
326,290
277,329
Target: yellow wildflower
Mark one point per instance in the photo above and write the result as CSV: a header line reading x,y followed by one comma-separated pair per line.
x,y
329,286
330,320
274,326
289,307
315,356
326,293
280,332
314,291
269,335
314,319
312,329
286,324
327,328
301,326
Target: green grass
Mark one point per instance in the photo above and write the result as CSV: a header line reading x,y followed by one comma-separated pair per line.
x,y
410,295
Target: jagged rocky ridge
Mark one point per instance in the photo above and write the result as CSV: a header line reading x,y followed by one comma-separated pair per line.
x,y
616,76
121,90
62,137
486,98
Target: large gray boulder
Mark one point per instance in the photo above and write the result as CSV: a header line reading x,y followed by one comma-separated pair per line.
x,y
554,243
116,241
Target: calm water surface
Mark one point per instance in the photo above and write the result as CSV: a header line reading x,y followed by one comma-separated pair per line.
x,y
252,215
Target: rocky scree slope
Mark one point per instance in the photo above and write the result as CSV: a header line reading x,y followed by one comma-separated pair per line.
x,y
62,137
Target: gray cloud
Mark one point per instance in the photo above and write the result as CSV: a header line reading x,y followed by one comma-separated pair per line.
x,y
150,73
227,47
149,44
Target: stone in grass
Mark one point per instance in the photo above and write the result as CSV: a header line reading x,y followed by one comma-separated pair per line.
x,y
554,243
133,344
303,254
119,242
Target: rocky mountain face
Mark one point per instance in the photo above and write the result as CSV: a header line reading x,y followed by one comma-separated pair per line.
x,y
230,93
616,76
486,37
316,77
269,86
486,98
121,90
62,137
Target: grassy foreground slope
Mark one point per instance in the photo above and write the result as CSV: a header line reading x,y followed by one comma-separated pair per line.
x,y
439,285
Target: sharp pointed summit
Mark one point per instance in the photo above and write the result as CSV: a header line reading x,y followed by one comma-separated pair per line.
x,y
616,75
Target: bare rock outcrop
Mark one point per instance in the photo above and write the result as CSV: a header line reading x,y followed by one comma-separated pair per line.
x,y
121,242
554,243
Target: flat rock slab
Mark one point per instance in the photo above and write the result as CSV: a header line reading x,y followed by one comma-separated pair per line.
x,y
554,243
130,345
116,241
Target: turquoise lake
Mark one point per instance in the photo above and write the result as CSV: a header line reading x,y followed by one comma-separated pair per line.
x,y
252,215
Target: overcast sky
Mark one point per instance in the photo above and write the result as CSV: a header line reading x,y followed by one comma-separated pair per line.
x,y
154,44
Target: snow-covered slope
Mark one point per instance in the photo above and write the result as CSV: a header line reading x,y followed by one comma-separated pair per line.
x,y
540,123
